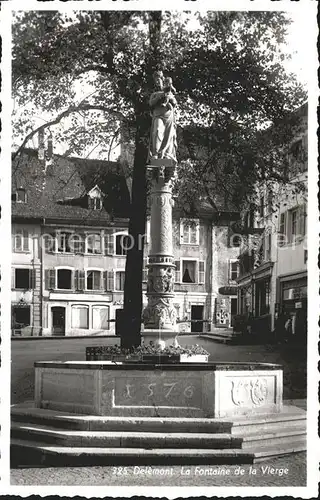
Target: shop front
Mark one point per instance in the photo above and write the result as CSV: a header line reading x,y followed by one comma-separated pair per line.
x,y
254,298
293,306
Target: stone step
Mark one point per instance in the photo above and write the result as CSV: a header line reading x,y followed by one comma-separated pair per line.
x,y
290,417
124,439
25,452
268,439
277,426
266,452
66,420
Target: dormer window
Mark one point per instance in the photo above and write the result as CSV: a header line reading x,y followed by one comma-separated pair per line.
x,y
95,203
20,196
95,199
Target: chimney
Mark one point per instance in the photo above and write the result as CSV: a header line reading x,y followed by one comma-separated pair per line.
x,y
41,145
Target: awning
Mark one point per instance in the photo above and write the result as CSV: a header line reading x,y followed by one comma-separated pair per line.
x,y
228,290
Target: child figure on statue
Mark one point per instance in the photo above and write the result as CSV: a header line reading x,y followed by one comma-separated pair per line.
x,y
169,90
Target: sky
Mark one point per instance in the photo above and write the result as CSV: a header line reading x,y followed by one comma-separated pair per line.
x,y
298,46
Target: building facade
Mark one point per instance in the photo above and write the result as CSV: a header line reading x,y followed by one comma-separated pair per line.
x,y
272,286
70,239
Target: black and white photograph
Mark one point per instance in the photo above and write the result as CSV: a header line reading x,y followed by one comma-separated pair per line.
x,y
163,182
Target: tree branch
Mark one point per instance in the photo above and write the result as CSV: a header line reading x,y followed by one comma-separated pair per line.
x,y
72,109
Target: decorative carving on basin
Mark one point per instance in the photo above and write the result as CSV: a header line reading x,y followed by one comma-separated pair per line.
x,y
244,391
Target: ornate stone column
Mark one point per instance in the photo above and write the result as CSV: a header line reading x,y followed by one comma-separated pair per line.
x,y
160,313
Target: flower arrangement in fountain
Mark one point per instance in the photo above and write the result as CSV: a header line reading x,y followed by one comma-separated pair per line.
x,y
171,350
158,349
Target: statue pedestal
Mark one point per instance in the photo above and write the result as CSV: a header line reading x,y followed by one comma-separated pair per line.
x,y
159,316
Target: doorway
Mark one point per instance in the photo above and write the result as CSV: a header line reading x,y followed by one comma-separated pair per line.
x,y
197,318
58,320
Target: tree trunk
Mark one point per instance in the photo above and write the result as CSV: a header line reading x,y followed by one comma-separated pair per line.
x,y
131,318
131,323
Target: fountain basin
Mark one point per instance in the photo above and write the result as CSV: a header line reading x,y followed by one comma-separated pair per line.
x,y
145,389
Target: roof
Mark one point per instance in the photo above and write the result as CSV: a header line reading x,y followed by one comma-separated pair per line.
x,y
59,190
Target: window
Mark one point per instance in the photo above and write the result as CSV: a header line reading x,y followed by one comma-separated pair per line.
x,y
120,276
20,316
80,317
21,196
188,271
93,280
123,244
64,279
235,240
189,232
21,241
262,206
63,242
109,244
94,243
100,318
233,270
49,242
77,242
22,279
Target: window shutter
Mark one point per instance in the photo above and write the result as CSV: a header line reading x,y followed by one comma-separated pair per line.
x,y
50,279
90,203
49,243
32,278
302,220
81,279
101,281
18,243
283,229
109,244
105,281
110,281
81,243
13,278
201,272
145,270
25,240
177,271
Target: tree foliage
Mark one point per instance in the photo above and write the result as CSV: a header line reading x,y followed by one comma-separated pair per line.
x,y
235,98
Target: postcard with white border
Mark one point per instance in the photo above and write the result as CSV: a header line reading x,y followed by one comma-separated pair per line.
x,y
159,223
